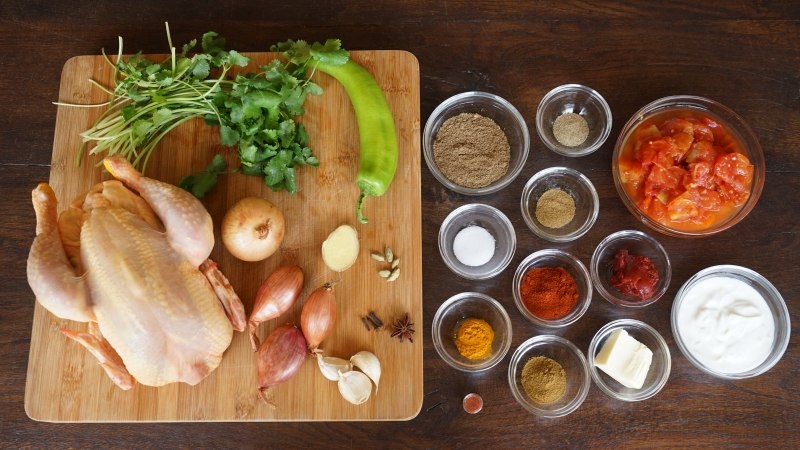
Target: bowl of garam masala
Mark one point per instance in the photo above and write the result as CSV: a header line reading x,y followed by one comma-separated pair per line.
x,y
475,143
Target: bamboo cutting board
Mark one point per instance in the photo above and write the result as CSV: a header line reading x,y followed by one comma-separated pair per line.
x,y
65,383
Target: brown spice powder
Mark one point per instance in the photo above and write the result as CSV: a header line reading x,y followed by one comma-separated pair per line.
x,y
543,379
471,150
555,208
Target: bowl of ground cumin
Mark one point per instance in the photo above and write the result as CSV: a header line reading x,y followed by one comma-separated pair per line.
x,y
549,376
559,204
475,143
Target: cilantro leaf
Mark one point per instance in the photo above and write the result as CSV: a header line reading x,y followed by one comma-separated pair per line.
x,y
228,136
201,182
330,53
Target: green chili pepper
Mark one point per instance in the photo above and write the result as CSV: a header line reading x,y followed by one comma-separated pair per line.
x,y
377,136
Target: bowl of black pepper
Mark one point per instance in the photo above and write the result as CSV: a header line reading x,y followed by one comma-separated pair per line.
x,y
573,120
559,204
475,143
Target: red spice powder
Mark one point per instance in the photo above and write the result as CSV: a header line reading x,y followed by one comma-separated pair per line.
x,y
549,292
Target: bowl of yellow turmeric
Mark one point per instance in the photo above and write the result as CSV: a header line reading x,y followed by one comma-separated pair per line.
x,y
471,332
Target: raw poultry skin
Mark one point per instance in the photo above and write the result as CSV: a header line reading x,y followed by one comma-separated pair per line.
x,y
158,319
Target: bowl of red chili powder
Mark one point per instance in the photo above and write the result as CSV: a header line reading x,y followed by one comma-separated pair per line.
x,y
552,288
631,268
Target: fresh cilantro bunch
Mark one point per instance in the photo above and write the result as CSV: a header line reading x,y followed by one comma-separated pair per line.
x,y
255,111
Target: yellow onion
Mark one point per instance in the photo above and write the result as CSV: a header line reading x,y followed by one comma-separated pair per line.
x,y
279,358
318,315
275,296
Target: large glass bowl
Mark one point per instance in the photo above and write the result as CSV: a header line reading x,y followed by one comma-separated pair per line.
x,y
777,308
742,133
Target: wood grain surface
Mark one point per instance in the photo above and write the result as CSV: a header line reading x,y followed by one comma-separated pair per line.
x,y
744,54
66,384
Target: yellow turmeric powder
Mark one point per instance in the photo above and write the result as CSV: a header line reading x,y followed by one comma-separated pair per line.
x,y
474,338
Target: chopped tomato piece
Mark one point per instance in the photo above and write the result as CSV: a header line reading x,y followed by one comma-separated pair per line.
x,y
703,133
683,142
683,209
701,151
677,125
703,174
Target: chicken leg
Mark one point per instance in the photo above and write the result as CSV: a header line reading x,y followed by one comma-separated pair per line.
x,y
50,274
189,227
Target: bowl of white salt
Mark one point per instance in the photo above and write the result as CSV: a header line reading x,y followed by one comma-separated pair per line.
x,y
477,241
573,120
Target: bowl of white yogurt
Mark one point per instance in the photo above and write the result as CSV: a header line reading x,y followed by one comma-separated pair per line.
x,y
730,322
477,241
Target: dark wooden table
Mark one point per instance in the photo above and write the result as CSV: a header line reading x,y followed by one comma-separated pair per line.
x,y
744,54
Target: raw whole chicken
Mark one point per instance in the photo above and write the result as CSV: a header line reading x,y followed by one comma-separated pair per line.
x,y
134,266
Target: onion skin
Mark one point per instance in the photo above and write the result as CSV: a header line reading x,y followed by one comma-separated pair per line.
x,y
318,316
279,358
253,229
277,294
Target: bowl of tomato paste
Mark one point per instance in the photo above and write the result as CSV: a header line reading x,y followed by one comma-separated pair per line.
x,y
630,268
688,166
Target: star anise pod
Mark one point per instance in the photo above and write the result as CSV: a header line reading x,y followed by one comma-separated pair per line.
x,y
403,329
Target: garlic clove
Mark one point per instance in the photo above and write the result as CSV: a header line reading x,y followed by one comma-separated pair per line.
x,y
369,364
355,387
330,366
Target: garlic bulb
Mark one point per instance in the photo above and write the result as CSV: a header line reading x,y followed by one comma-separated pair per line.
x,y
355,387
330,366
369,364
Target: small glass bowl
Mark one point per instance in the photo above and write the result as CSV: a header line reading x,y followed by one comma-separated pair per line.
x,y
659,368
493,107
777,306
637,243
493,221
578,99
555,258
464,306
741,132
575,367
587,203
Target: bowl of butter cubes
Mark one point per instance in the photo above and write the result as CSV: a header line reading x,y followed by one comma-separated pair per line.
x,y
629,360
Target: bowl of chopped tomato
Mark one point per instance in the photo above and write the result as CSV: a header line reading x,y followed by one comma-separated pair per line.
x,y
688,166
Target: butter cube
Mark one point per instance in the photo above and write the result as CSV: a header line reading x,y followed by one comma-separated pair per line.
x,y
624,359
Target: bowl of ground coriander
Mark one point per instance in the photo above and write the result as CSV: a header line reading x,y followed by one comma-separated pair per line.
x,y
573,120
559,204
475,143
549,376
